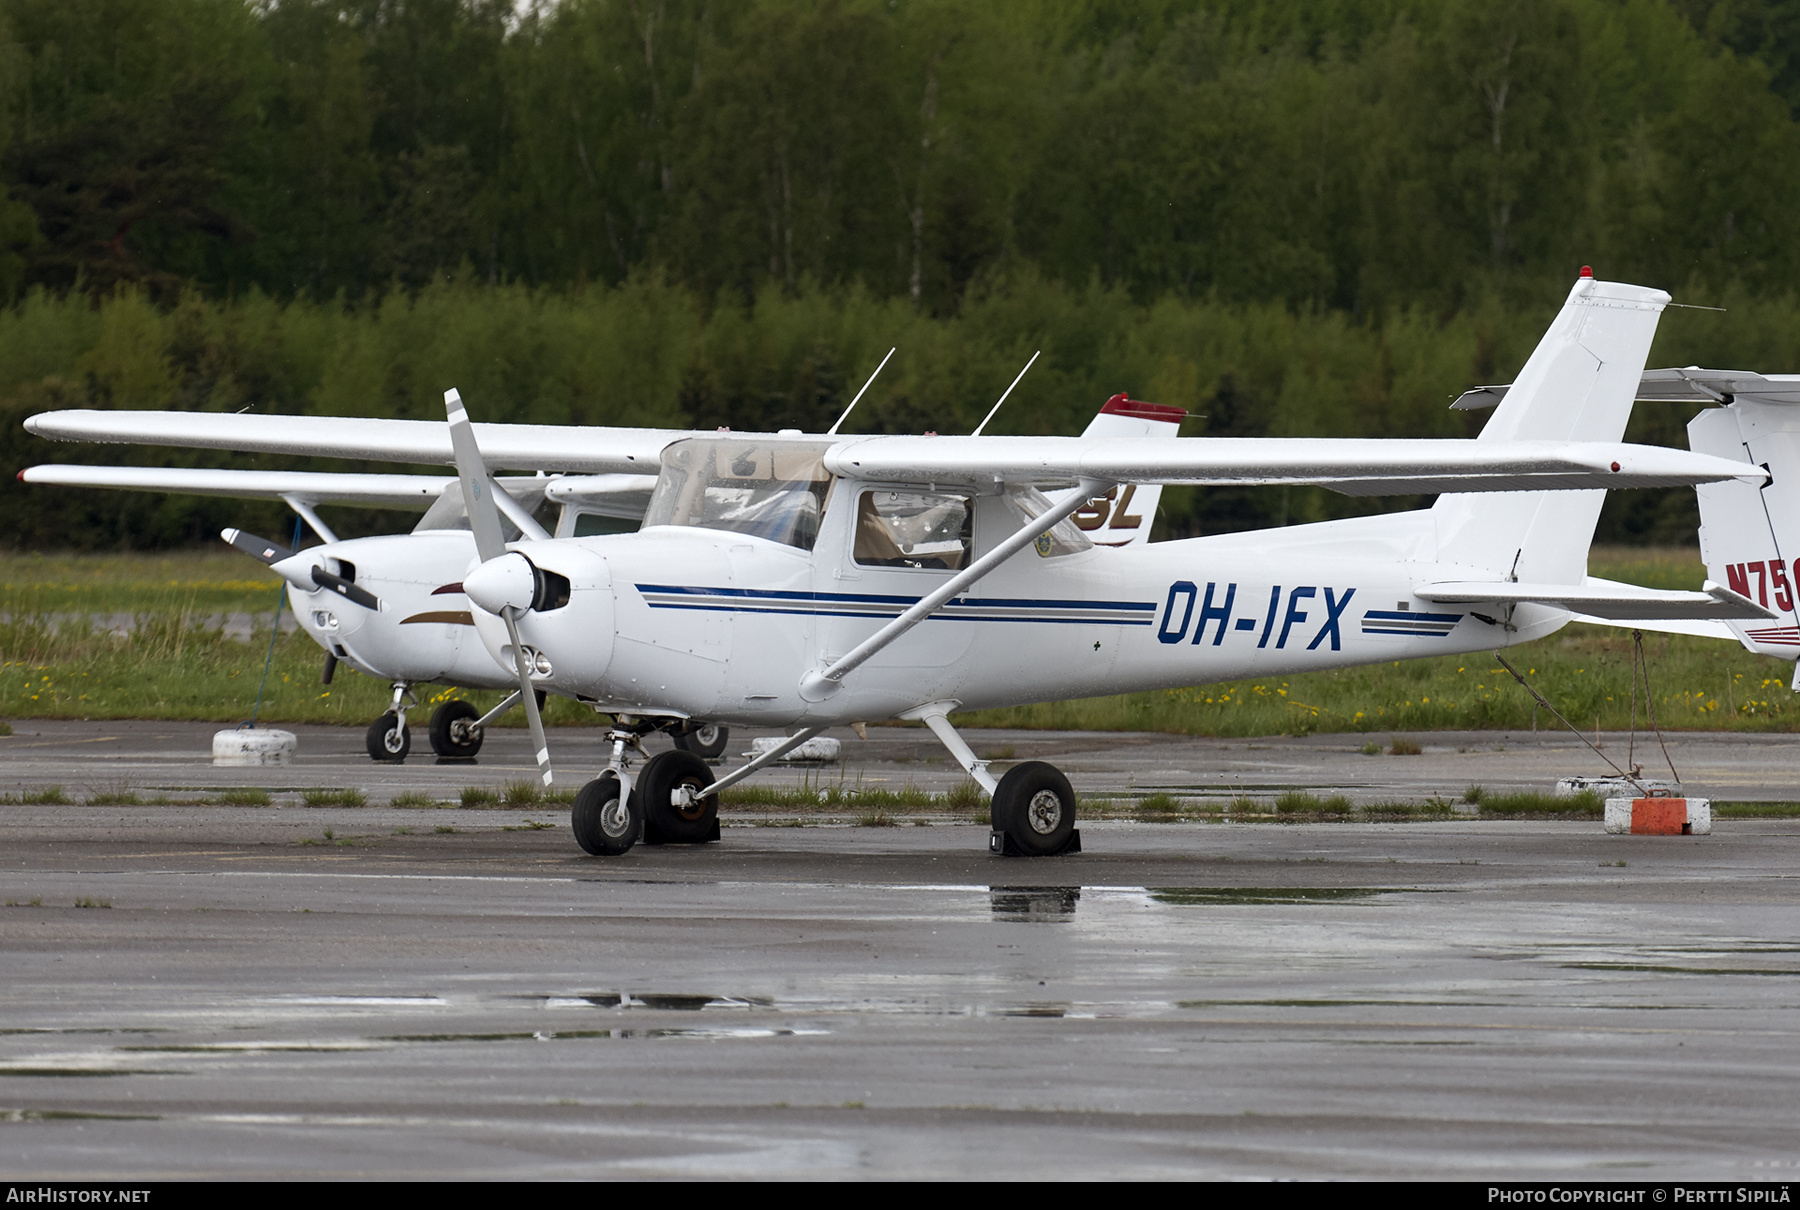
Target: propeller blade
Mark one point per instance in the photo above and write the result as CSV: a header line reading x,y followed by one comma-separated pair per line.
x,y
345,588
484,519
255,547
528,695
477,488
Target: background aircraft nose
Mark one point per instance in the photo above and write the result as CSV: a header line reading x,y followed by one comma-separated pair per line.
x,y
498,584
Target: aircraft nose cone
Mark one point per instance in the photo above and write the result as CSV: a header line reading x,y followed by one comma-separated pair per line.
x,y
502,583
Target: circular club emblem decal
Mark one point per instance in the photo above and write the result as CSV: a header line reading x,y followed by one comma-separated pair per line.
x,y
1043,545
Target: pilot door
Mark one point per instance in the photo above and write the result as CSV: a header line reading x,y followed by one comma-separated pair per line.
x,y
903,543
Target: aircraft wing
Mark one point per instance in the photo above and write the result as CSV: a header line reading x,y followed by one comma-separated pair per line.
x,y
1354,467
546,447
414,493
611,495
1684,384
1604,600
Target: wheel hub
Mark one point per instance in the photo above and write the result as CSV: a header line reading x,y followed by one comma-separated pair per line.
x,y
394,740
1044,812
614,818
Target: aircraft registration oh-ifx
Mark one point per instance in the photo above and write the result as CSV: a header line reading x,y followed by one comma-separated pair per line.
x,y
805,583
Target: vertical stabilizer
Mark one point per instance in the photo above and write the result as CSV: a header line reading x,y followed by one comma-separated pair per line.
x,y
1123,517
1750,536
1578,385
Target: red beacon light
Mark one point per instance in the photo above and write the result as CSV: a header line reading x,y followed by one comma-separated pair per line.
x,y
1587,270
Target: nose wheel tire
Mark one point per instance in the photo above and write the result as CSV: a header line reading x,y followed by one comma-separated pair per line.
x,y
665,823
451,734
1034,806
605,825
388,740
705,740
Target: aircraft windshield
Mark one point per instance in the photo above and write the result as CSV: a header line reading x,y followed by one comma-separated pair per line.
x,y
769,489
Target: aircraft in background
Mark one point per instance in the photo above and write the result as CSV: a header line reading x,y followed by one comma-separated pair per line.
x,y
810,582
388,606
1749,535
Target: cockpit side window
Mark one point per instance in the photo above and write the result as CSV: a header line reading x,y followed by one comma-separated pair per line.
x,y
768,489
899,528
1064,538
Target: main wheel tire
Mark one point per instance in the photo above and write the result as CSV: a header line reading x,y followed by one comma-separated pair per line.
x,y
1035,806
451,734
387,740
705,740
603,825
665,823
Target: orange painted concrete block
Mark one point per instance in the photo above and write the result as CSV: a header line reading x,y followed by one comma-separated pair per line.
x,y
1658,816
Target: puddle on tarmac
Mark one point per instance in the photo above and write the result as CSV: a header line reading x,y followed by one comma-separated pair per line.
x,y
1206,896
73,1115
1657,969
722,1033
363,1001
227,1048
52,1029
1031,904
668,1001
83,1072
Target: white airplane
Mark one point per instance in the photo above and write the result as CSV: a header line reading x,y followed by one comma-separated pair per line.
x,y
811,582
379,604
389,607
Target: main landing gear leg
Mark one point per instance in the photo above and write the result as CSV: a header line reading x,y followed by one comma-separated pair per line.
x,y
1032,807
388,739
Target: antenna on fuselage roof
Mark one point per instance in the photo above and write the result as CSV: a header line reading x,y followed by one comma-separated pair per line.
x,y
1003,395
865,386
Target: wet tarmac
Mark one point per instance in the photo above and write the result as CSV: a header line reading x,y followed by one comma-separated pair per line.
x,y
294,992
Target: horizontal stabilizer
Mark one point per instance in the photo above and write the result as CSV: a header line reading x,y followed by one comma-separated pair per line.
x,y
1699,628
1684,384
1604,600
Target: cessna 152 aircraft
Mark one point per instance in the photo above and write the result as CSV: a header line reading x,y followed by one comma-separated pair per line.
x,y
409,625
810,582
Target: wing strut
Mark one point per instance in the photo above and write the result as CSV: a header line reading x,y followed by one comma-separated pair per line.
x,y
822,683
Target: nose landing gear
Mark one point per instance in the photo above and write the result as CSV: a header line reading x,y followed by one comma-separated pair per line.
x,y
388,739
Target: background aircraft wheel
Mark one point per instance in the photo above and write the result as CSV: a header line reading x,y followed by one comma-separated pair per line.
x,y
451,734
605,826
1035,806
387,740
705,740
665,823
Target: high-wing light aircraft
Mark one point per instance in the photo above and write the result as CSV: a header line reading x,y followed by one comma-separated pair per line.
x,y
374,603
810,582
388,605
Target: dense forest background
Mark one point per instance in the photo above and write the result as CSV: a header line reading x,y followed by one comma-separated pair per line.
x,y
1292,217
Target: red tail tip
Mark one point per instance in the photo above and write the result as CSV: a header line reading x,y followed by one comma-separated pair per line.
x,y
1587,270
21,476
